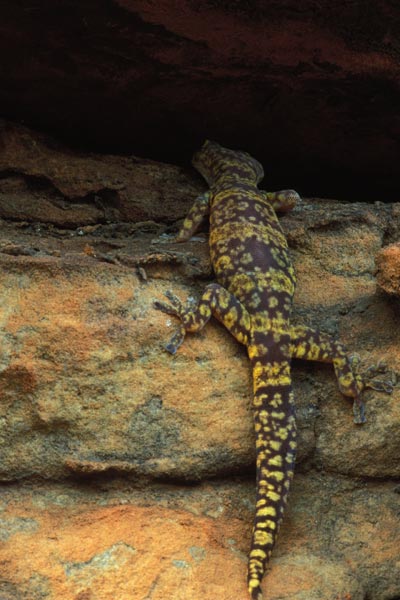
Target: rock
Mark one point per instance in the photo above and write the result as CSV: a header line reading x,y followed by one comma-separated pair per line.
x,y
388,269
103,434
86,382
113,540
87,386
311,90
44,181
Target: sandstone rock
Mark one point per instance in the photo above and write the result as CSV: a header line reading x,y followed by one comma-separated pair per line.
x,y
388,269
106,541
90,398
43,181
87,387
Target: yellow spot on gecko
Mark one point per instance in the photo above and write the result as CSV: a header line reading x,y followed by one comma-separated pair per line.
x,y
268,524
267,511
279,416
257,553
262,537
282,433
275,461
273,496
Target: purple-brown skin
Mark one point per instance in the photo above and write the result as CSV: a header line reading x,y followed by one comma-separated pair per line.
x,y
253,299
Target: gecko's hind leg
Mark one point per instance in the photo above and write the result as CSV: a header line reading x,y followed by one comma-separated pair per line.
x,y
310,344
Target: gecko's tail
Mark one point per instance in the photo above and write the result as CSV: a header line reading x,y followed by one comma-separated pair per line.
x,y
275,429
256,593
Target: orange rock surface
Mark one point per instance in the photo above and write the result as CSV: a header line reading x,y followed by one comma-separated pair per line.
x,y
388,269
80,541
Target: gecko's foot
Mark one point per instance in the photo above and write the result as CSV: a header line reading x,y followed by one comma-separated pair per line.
x,y
380,385
175,309
366,380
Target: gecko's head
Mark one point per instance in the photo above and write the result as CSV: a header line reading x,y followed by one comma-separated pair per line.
x,y
217,164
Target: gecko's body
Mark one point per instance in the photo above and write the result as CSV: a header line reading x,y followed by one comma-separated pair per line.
x,y
253,299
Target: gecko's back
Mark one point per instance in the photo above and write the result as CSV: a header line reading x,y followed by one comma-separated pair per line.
x,y
248,249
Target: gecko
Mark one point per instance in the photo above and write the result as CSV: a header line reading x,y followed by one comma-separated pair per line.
x,y
252,297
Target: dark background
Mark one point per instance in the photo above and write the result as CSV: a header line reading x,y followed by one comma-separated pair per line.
x,y
311,88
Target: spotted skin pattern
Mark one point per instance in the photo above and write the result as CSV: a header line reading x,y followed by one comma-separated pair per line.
x,y
253,299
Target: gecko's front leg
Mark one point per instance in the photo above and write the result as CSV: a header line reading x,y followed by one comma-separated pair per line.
x,y
217,301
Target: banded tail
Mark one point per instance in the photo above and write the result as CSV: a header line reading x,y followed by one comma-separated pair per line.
x,y
275,428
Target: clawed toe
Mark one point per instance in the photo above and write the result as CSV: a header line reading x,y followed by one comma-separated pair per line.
x,y
176,303
176,341
359,411
377,369
380,386
355,361
175,308
166,308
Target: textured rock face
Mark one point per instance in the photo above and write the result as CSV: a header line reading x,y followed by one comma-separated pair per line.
x,y
313,86
45,182
339,540
388,269
120,430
